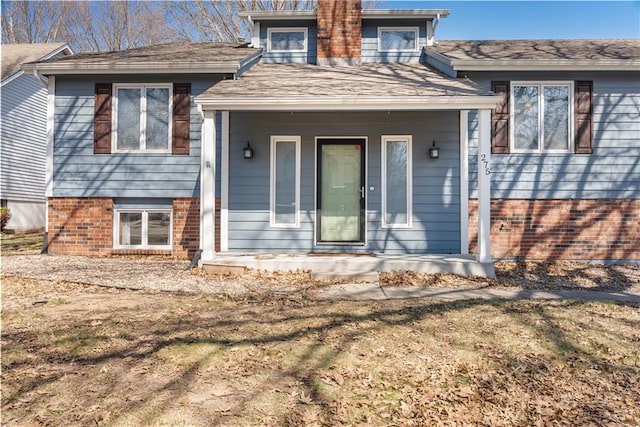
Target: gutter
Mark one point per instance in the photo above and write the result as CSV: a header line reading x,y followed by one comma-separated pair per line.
x,y
350,104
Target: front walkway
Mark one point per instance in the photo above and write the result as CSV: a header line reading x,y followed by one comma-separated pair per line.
x,y
358,267
363,292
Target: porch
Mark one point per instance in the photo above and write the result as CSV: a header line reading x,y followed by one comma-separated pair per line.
x,y
359,267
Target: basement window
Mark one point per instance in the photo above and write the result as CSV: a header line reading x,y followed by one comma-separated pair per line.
x,y
143,228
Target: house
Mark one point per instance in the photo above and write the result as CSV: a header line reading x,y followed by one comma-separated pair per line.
x,y
23,134
342,130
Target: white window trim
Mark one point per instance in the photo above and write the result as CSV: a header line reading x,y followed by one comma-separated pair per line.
x,y
272,177
416,30
409,139
145,228
512,111
143,116
288,30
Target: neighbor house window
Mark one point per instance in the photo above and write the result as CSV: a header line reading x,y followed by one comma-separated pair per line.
x,y
287,39
396,181
285,181
143,228
398,39
142,117
541,116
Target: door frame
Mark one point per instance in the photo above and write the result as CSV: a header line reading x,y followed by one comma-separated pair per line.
x,y
365,176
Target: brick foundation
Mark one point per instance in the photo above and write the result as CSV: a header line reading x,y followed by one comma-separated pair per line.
x,y
84,226
604,229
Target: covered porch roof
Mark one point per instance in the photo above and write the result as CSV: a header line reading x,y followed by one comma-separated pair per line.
x,y
379,86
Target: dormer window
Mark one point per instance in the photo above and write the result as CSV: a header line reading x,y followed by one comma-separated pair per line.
x,y
397,39
287,39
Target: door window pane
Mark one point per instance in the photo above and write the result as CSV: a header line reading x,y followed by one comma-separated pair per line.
x,y
157,130
128,119
396,171
130,229
340,192
556,117
285,186
526,117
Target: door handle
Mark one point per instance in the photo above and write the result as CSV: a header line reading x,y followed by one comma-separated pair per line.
x,y
362,192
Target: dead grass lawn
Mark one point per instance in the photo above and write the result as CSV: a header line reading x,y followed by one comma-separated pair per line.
x,y
78,355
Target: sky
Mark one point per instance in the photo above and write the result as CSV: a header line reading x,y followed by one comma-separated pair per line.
x,y
486,20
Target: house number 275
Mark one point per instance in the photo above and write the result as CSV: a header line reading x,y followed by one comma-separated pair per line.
x,y
485,162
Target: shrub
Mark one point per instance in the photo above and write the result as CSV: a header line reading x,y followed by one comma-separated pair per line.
x,y
5,216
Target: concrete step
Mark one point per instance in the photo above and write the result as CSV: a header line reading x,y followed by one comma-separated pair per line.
x,y
367,277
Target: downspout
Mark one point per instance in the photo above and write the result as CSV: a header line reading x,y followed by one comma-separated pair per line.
x,y
40,78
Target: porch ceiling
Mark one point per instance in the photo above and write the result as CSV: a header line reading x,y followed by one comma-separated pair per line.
x,y
387,86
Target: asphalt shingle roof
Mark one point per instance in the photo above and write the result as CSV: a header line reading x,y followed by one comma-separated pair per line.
x,y
169,53
617,49
368,80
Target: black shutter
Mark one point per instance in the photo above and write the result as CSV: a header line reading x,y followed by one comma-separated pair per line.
x,y
181,118
102,119
500,119
584,117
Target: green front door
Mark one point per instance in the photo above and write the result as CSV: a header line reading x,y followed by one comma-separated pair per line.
x,y
340,192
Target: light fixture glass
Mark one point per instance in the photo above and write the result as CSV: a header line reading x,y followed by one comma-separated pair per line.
x,y
248,151
434,152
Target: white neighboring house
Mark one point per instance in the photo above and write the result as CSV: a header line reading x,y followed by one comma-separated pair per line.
x,y
23,146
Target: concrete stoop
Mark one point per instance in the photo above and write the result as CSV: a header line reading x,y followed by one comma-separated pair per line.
x,y
350,267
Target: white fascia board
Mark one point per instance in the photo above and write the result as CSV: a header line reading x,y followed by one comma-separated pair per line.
x,y
405,14
12,77
64,47
542,64
350,104
146,68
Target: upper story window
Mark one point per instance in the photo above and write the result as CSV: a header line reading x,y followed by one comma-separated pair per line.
x,y
541,116
287,39
398,39
142,117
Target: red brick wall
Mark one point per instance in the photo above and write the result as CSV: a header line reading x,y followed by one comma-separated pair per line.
x,y
80,226
339,30
84,226
605,229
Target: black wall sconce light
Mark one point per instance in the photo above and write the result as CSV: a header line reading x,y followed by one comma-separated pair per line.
x,y
248,151
434,152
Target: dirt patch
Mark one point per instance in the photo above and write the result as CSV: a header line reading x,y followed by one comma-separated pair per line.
x,y
86,355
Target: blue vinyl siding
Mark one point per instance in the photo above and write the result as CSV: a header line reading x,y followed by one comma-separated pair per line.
x,y
23,139
370,51
436,190
282,57
80,173
611,171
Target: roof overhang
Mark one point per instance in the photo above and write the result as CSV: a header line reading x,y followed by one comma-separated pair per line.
x,y
64,48
421,103
60,68
268,15
537,64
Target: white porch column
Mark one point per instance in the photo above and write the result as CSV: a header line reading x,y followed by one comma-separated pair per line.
x,y
51,115
484,186
208,186
464,182
224,183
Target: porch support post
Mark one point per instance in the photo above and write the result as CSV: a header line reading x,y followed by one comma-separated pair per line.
x,y
464,182
208,186
224,183
484,186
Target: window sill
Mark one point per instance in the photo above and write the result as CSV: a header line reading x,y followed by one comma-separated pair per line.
x,y
142,252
